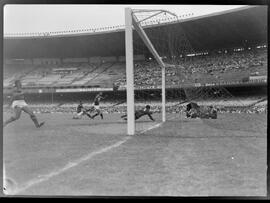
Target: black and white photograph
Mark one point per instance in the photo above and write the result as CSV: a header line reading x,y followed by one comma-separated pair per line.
x,y
134,100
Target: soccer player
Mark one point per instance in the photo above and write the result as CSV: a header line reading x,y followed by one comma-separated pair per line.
x,y
81,111
140,113
213,112
96,105
193,113
18,104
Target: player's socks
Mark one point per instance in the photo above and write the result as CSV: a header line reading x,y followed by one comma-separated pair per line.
x,y
34,119
94,115
101,115
89,116
41,124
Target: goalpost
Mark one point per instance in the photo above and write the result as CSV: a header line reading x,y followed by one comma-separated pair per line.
x,y
129,72
130,22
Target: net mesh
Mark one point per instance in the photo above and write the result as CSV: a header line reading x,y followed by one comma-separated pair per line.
x,y
185,83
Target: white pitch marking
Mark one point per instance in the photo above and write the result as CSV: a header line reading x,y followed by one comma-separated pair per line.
x,y
43,178
152,127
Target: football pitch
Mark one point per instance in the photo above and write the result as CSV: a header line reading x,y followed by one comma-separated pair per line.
x,y
185,157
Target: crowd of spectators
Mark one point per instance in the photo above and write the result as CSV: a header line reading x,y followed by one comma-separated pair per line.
x,y
249,110
224,66
211,68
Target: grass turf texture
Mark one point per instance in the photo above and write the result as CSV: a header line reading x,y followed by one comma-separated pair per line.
x,y
185,157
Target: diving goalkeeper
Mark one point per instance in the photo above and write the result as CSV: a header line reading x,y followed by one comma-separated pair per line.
x,y
140,113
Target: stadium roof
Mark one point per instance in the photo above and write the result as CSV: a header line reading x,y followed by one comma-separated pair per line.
x,y
234,28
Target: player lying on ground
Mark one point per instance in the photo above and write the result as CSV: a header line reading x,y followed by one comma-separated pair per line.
x,y
200,112
81,111
96,106
192,113
140,113
18,104
210,112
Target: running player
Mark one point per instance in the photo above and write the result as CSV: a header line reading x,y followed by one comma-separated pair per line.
x,y
18,104
96,105
81,111
140,113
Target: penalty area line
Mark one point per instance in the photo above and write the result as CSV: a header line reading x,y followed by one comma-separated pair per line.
x,y
42,178
150,128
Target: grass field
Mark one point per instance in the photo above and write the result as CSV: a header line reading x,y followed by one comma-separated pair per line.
x,y
184,157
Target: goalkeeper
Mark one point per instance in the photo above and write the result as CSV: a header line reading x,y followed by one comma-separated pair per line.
x,y
140,113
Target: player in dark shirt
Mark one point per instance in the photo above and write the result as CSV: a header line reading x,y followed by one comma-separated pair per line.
x,y
81,111
140,113
79,108
96,105
18,104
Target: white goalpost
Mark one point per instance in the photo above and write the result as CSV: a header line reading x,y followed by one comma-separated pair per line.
x,y
130,22
129,72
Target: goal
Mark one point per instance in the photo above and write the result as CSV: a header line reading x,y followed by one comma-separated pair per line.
x,y
132,21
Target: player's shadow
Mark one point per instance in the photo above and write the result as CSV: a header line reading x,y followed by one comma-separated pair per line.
x,y
97,124
144,122
108,122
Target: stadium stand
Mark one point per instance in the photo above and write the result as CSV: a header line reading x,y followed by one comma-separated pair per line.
x,y
12,72
211,68
228,58
216,66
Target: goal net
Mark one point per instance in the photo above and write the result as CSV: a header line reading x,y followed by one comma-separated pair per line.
x,y
189,93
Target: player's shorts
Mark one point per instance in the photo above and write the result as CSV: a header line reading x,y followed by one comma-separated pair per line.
x,y
96,107
80,114
18,103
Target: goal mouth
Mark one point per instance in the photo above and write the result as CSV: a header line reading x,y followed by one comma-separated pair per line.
x,y
135,19
167,79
